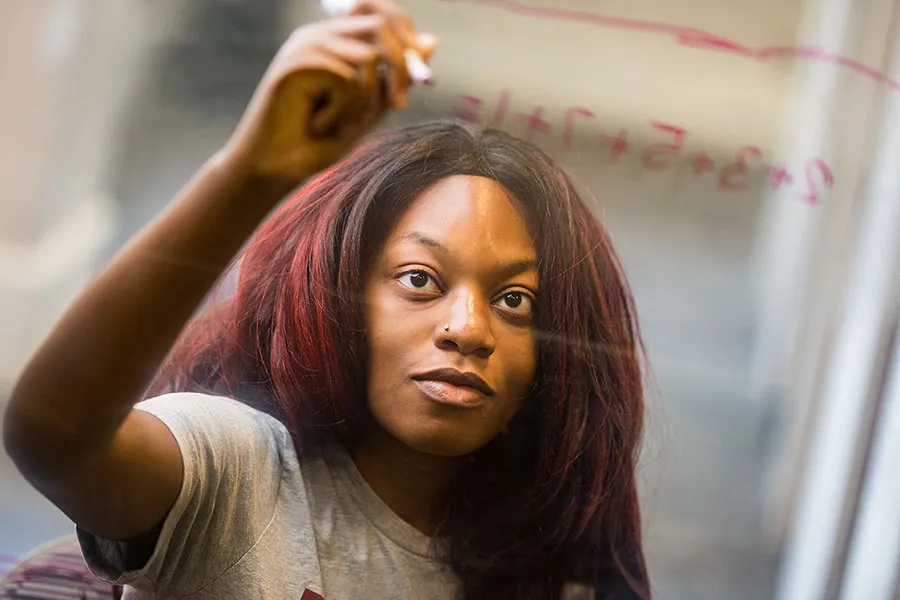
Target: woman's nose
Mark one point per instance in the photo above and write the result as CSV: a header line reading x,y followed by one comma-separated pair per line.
x,y
467,327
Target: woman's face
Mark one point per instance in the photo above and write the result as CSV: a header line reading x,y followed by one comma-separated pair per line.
x,y
449,310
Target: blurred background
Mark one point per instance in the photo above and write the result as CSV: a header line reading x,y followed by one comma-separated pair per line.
x,y
744,156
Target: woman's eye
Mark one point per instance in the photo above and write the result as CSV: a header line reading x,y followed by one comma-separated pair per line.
x,y
519,302
419,280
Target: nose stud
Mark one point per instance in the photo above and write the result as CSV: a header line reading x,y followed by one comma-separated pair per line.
x,y
447,327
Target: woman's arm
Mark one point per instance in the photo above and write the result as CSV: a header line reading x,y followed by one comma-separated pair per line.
x,y
69,426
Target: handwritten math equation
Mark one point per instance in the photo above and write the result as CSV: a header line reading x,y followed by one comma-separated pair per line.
x,y
732,176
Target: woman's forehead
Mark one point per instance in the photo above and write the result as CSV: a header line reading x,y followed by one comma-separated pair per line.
x,y
465,211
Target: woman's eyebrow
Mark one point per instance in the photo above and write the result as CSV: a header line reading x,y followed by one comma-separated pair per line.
x,y
517,267
421,238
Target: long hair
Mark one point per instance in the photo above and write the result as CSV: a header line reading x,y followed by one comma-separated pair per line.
x,y
555,499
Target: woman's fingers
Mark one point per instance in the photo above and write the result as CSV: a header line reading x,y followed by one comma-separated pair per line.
x,y
398,19
330,103
366,47
394,34
361,56
368,43
363,59
427,45
424,43
391,29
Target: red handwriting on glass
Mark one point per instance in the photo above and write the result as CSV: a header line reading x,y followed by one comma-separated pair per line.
x,y
617,145
661,156
471,109
778,175
732,177
701,163
736,175
569,125
502,107
813,167
690,36
468,109
535,123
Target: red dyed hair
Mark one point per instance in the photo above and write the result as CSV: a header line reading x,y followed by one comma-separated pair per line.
x,y
553,501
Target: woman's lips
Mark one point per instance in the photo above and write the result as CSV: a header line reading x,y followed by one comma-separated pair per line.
x,y
452,395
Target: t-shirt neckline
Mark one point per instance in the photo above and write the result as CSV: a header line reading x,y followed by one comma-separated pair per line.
x,y
374,508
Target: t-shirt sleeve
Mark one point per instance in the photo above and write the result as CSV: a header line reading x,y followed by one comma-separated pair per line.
x,y
233,457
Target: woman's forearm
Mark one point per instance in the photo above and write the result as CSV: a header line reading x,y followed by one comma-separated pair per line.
x,y
83,380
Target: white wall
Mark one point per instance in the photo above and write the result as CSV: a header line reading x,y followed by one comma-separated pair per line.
x,y
66,72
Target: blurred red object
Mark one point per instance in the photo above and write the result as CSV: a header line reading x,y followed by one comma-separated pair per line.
x,y
55,570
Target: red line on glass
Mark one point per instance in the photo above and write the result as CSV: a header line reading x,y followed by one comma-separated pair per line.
x,y
688,36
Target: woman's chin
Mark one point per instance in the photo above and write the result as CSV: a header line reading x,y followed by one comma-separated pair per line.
x,y
440,446
438,441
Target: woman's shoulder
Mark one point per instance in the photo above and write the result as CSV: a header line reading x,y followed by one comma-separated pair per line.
x,y
219,424
202,406
236,461
196,402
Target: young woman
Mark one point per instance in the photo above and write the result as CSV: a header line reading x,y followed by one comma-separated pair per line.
x,y
427,384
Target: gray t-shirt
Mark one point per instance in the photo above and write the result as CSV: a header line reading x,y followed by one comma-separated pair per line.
x,y
253,521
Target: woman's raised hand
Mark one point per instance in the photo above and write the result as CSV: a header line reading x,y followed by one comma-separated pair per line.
x,y
327,86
